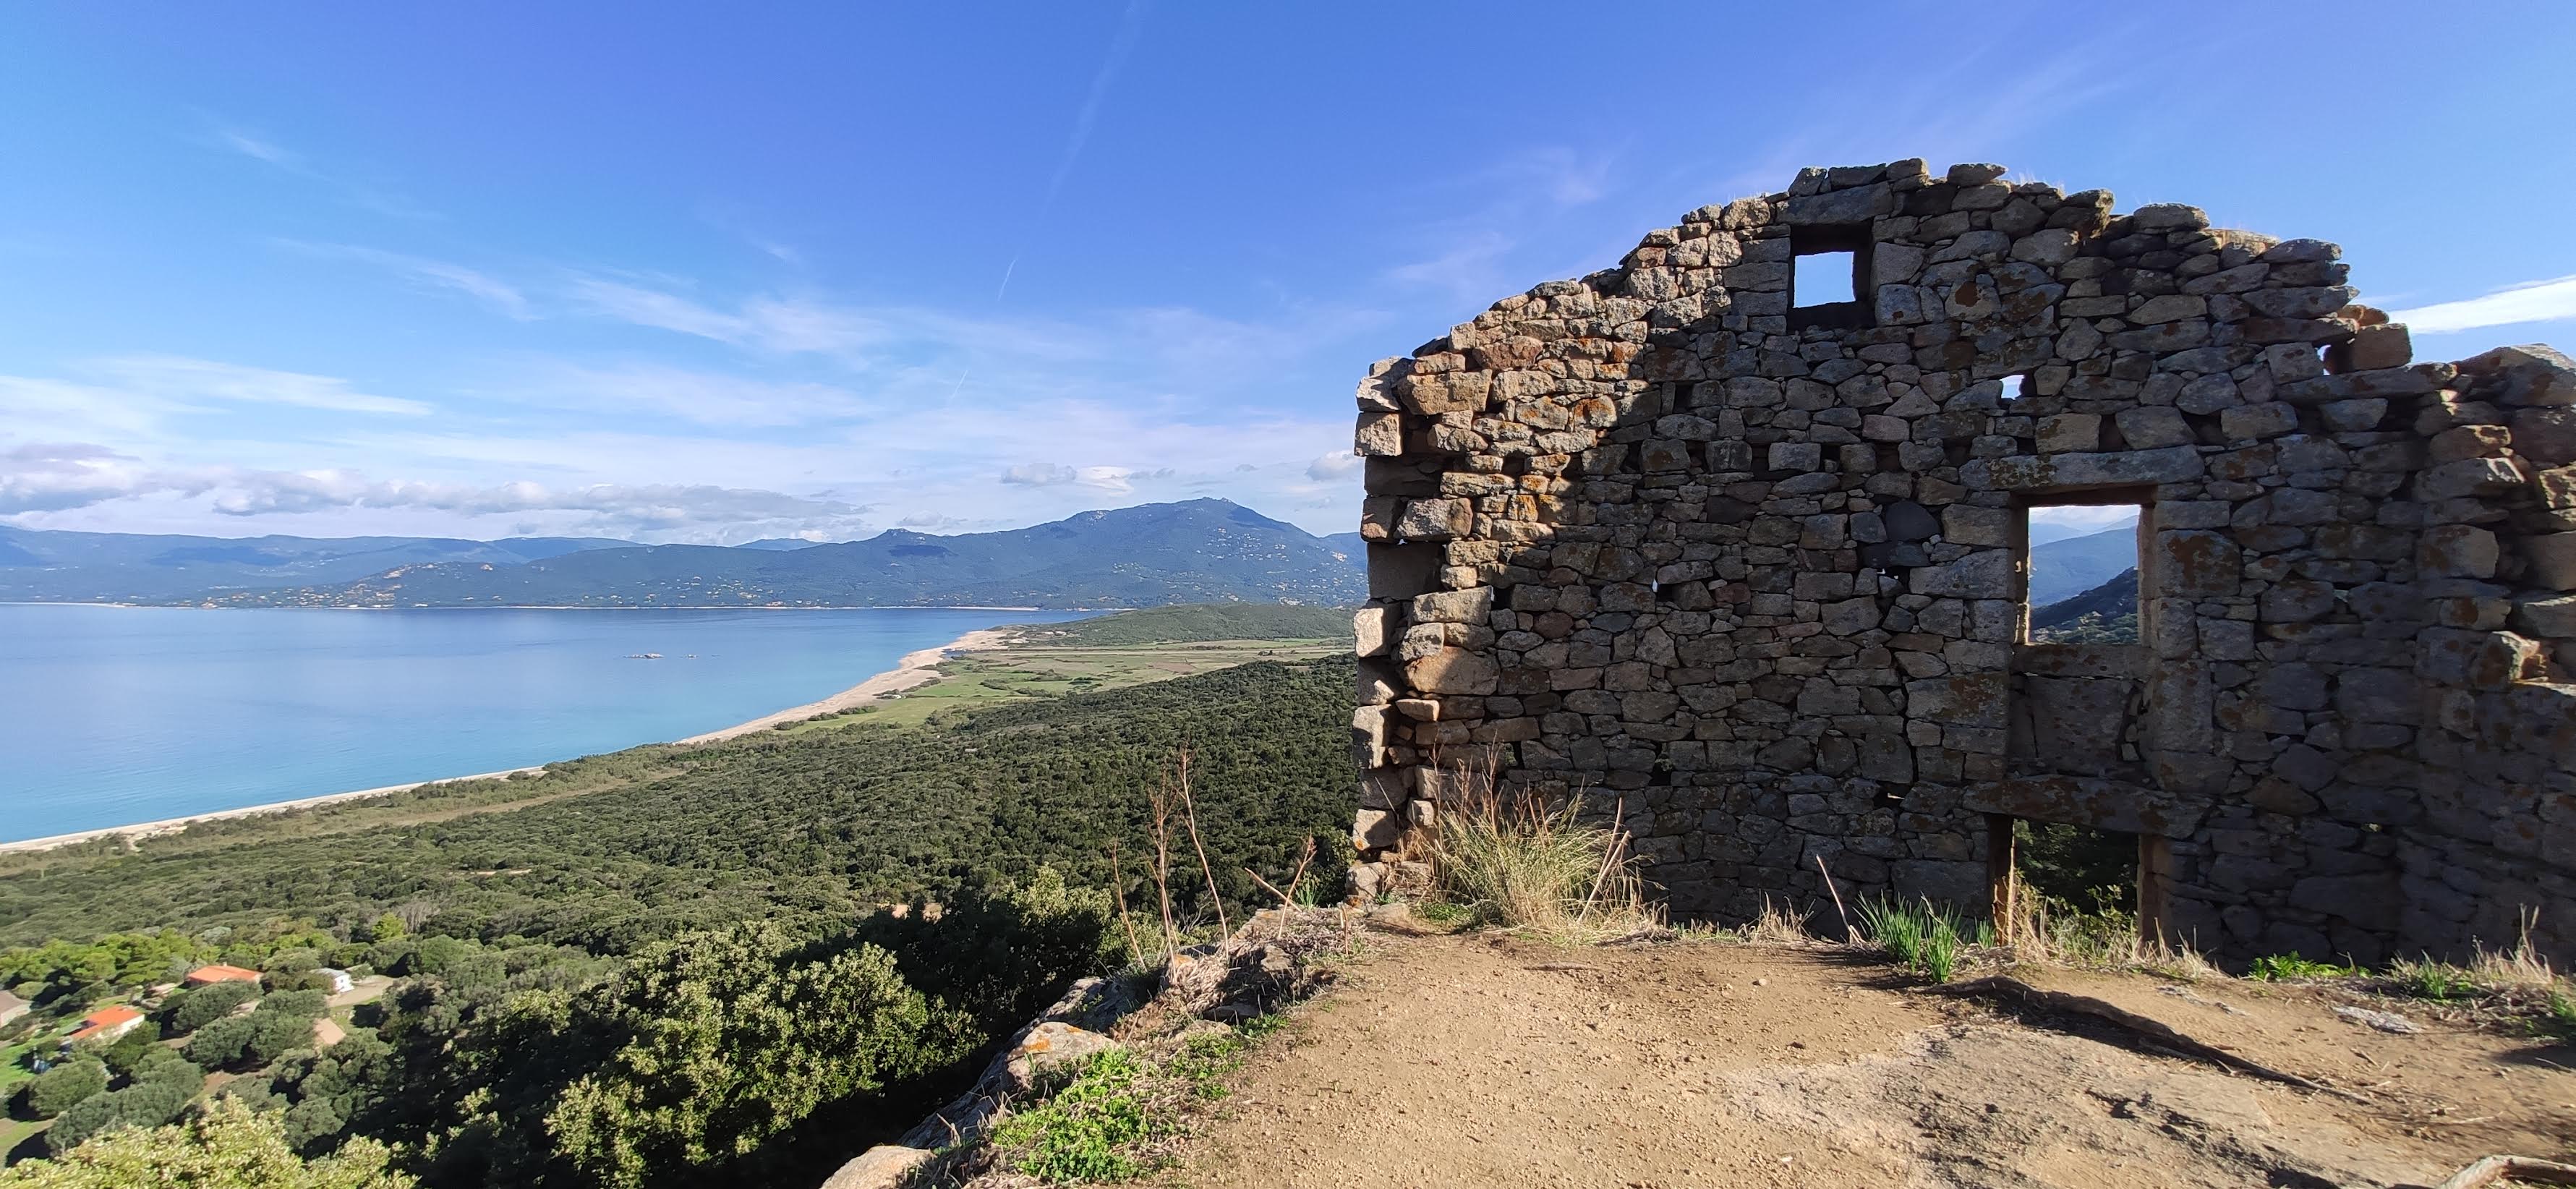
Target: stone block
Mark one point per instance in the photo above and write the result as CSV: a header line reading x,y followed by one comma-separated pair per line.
x,y
2197,563
1966,524
2092,802
1796,456
1472,605
2548,618
1984,574
2153,428
1402,571
1376,829
1379,435
2250,422
2456,551
1435,520
1857,205
1376,628
2070,433
2553,560
1453,671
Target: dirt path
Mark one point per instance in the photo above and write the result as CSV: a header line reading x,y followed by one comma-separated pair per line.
x,y
1465,1062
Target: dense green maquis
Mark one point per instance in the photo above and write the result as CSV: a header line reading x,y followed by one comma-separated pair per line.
x,y
825,822
743,962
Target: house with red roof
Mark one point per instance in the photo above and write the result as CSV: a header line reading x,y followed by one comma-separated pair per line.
x,y
209,975
106,1025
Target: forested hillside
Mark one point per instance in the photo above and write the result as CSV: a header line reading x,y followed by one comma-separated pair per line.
x,y
726,912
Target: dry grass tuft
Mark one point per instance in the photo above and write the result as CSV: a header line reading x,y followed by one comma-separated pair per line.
x,y
1517,862
2037,929
1776,925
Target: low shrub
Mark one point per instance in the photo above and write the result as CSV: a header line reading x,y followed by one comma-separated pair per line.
x,y
64,1086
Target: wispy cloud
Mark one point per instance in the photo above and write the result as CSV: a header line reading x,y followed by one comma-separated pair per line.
x,y
267,151
2552,300
705,398
423,272
181,378
253,147
765,323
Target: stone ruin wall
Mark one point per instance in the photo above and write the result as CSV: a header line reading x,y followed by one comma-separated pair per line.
x,y
1752,570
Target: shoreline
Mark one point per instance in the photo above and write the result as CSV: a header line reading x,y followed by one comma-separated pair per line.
x,y
916,669
172,825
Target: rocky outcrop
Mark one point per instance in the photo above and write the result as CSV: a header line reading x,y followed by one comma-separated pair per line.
x,y
1265,964
1752,561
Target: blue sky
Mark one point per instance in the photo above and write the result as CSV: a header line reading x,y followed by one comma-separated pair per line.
x,y
669,273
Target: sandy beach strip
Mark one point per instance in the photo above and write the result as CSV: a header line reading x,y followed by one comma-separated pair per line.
x,y
172,825
915,670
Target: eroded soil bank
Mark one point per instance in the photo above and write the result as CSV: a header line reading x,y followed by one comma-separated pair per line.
x,y
1480,1061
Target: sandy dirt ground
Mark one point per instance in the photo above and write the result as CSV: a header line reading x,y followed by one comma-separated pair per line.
x,y
1475,1062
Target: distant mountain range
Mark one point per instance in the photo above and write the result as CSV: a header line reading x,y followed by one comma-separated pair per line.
x,y
1200,551
2063,569
46,566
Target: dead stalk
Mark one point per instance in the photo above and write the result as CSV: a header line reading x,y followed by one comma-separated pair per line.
x,y
1118,888
1848,935
1162,801
1190,817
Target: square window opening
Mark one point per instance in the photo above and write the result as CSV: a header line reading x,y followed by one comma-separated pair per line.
x,y
2083,582
1821,278
1829,277
2014,387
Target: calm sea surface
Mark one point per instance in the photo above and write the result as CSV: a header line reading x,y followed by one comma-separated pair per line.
x,y
114,715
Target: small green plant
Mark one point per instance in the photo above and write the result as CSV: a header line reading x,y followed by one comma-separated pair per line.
x,y
2276,967
1442,912
1917,936
1088,1131
2561,1014
2428,979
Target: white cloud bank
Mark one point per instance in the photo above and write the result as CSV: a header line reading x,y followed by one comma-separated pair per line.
x,y
2532,301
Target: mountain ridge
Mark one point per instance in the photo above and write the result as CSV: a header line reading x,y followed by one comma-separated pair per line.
x,y
1204,550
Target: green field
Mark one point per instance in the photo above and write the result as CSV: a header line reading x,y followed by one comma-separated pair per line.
x,y
1022,672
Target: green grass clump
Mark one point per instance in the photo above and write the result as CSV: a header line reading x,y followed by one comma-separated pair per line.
x,y
1918,936
2433,980
2276,967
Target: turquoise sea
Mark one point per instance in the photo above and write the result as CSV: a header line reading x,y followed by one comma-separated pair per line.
x,y
115,715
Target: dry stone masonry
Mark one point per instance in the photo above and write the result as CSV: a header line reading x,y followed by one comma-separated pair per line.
x,y
1750,566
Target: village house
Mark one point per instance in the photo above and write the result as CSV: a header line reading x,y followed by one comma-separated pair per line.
x,y
107,1025
210,975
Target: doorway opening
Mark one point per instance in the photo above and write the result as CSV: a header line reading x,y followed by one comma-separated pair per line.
x,y
2076,890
